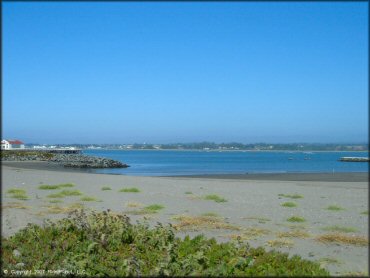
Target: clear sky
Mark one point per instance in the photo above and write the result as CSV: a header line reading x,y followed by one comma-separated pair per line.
x,y
166,72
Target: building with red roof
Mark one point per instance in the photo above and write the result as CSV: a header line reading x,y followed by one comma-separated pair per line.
x,y
11,144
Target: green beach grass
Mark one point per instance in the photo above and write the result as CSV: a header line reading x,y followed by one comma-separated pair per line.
x,y
55,195
342,229
292,196
154,208
48,187
55,201
20,196
71,192
151,209
130,190
334,208
89,199
18,193
210,214
55,186
296,219
289,204
65,193
66,185
216,198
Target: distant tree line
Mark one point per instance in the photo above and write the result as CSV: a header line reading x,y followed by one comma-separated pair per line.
x,y
225,146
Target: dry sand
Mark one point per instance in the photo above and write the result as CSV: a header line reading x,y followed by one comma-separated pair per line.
x,y
253,206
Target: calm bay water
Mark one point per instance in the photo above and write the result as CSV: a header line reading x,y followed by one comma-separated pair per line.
x,y
169,163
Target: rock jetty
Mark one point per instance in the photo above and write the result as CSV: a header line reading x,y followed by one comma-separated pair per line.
x,y
66,160
354,159
85,161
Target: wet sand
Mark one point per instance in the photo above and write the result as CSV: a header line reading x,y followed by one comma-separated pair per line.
x,y
333,177
44,165
252,204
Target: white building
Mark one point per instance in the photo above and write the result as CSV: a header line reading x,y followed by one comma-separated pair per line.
x,y
11,144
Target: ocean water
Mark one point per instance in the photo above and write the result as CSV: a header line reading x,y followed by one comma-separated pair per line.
x,y
170,163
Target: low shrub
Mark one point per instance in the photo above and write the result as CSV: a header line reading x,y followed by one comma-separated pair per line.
x,y
107,244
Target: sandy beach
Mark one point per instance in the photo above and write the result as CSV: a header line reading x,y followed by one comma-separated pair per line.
x,y
252,207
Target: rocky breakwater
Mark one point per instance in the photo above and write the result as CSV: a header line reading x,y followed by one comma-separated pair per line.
x,y
64,159
13,155
85,161
354,159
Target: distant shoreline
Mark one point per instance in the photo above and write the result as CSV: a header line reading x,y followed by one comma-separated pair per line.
x,y
182,150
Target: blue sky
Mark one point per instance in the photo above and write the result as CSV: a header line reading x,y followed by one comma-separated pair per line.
x,y
166,72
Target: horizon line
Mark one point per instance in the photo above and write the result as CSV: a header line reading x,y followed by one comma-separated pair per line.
x,y
209,142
